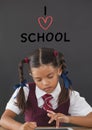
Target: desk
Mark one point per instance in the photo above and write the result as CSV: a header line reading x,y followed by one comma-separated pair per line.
x,y
74,128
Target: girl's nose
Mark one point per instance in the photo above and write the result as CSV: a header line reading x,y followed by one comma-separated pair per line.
x,y
45,82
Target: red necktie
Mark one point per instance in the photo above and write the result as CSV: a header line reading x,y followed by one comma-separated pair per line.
x,y
47,105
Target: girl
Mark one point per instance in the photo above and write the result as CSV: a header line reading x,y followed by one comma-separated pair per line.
x,y
49,101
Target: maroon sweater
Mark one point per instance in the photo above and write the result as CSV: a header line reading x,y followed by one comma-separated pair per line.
x,y
39,115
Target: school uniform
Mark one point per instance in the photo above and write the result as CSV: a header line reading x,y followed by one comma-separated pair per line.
x,y
75,106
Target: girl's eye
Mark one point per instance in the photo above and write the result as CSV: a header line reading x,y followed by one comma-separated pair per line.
x,y
38,80
50,76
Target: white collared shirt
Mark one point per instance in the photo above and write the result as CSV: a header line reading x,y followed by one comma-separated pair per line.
x,y
78,105
55,93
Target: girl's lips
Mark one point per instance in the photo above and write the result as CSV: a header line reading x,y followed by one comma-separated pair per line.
x,y
46,89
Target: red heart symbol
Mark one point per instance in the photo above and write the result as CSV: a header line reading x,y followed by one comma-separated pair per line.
x,y
45,23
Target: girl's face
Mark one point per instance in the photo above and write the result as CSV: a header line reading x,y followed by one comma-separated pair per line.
x,y
46,77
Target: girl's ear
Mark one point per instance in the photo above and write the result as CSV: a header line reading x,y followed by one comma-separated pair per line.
x,y
60,70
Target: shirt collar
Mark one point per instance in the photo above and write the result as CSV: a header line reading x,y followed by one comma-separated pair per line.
x,y
55,93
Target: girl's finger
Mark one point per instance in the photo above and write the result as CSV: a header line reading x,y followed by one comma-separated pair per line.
x,y
51,112
32,124
51,120
49,115
57,123
54,117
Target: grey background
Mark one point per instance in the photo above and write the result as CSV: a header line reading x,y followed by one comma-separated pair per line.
x,y
71,16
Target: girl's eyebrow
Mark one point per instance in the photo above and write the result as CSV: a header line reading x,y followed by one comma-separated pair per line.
x,y
37,77
51,73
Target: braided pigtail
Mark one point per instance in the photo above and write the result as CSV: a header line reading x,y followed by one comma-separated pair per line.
x,y
66,82
20,96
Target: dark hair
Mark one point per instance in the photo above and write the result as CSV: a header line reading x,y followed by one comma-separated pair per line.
x,y
42,56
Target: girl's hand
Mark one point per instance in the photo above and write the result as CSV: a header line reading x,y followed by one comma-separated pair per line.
x,y
58,117
28,126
